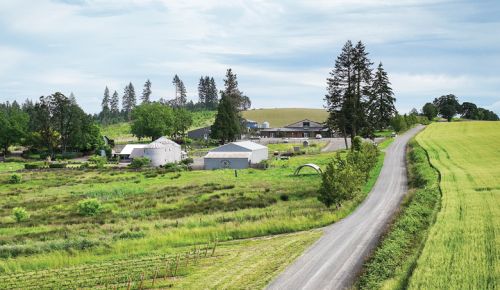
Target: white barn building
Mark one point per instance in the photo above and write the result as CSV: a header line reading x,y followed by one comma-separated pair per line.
x,y
130,151
235,155
163,151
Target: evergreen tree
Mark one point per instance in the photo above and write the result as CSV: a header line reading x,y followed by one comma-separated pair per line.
x,y
180,99
226,127
348,90
240,101
340,92
212,98
72,98
146,92
114,104
203,92
381,103
129,100
105,100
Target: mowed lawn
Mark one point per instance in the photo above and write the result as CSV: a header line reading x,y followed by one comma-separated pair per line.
x,y
463,247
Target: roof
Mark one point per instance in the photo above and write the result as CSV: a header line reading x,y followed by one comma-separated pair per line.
x,y
227,155
164,141
127,150
299,124
249,145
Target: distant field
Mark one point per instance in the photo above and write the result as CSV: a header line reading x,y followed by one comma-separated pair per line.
x,y
285,116
462,250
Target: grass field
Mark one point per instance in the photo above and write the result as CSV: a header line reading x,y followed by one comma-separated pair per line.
x,y
462,250
150,217
284,116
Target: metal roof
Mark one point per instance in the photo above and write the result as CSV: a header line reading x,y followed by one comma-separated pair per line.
x,y
249,145
165,141
127,150
228,155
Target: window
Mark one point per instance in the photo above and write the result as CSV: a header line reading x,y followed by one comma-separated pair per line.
x,y
305,124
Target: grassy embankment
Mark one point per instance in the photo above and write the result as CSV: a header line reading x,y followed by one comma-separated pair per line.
x,y
462,249
149,217
394,259
459,250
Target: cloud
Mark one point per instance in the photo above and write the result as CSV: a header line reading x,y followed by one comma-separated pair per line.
x,y
281,50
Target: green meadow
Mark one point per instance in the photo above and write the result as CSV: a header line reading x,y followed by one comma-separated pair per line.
x,y
153,224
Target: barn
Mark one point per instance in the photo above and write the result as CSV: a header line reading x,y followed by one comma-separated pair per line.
x,y
163,151
235,155
130,151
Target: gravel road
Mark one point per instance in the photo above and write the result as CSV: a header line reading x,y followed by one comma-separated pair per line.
x,y
334,261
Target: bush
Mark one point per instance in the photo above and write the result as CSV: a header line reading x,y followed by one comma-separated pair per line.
x,y
140,162
187,161
89,207
57,165
99,161
37,165
284,197
15,179
20,214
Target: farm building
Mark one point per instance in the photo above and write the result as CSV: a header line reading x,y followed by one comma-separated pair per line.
x,y
130,151
302,129
201,133
160,152
163,151
235,155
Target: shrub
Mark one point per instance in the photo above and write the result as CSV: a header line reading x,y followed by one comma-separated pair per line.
x,y
89,207
187,161
57,165
140,162
284,197
37,165
99,161
15,179
20,214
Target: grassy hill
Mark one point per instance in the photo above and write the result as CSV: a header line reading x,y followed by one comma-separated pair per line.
x,y
280,117
462,248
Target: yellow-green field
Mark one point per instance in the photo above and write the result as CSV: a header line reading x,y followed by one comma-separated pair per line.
x,y
462,250
284,116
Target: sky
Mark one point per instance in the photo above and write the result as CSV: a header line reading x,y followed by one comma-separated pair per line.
x,y
281,51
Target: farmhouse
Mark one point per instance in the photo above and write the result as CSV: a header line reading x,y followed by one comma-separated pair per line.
x,y
302,129
236,155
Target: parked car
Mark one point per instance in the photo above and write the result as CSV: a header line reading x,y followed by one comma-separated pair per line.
x,y
318,136
393,134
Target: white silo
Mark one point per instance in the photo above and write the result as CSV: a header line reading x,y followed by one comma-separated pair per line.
x,y
265,125
163,151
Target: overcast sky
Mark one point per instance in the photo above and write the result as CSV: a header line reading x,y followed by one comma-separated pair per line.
x,y
281,51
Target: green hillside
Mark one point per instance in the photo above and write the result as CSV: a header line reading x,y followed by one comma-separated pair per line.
x,y
283,116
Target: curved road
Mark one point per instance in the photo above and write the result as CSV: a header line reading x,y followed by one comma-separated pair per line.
x,y
334,261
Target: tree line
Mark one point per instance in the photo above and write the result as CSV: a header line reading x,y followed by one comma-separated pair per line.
x,y
208,99
448,106
359,100
54,123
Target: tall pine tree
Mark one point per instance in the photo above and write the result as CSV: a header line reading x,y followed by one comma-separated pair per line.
x,y
212,98
226,127
180,99
114,105
202,92
240,101
129,101
146,92
381,104
105,100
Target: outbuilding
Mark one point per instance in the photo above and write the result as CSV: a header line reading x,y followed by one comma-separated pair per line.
x,y
235,155
163,151
130,151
